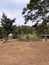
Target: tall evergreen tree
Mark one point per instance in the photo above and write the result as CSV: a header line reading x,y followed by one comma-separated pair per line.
x,y
7,24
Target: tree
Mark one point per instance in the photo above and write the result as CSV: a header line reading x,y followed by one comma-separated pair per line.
x,y
7,24
36,11
1,33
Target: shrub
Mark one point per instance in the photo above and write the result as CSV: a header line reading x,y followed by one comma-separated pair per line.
x,y
32,37
28,37
22,37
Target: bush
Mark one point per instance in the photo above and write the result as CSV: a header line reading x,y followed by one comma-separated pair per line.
x,y
28,37
32,37
22,37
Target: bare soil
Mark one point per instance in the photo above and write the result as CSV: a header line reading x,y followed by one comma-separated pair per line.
x,y
16,52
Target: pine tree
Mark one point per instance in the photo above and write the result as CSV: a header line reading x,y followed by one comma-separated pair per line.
x,y
7,24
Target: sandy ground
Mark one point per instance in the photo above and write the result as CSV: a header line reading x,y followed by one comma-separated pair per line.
x,y
16,52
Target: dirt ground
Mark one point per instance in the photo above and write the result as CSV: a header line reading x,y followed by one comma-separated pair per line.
x,y
16,52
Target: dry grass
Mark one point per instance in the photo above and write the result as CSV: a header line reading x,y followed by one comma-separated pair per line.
x,y
24,53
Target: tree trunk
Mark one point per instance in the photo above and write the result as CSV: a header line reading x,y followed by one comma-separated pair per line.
x,y
5,38
46,34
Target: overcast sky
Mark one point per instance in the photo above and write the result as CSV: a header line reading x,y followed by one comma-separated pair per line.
x,y
13,9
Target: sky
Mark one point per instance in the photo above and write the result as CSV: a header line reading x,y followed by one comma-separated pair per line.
x,y
13,9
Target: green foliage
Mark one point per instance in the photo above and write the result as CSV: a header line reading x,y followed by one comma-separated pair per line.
x,y
22,37
48,31
37,10
1,35
7,24
28,37
19,30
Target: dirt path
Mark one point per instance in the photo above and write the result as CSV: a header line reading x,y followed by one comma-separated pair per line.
x,y
24,53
